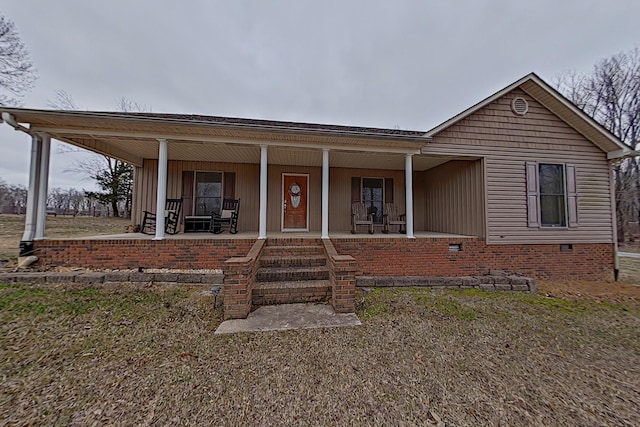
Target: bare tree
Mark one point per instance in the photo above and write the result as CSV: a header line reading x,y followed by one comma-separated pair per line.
x,y
13,198
611,95
113,176
17,73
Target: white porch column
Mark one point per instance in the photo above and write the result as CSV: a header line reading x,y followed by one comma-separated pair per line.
x,y
408,169
262,232
43,186
325,193
161,197
32,194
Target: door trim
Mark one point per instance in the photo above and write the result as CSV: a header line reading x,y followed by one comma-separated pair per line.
x,y
282,198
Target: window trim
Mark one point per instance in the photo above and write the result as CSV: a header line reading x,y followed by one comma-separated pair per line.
x,y
534,209
384,195
195,187
564,197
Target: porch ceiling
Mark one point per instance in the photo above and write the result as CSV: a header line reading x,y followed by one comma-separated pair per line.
x,y
133,138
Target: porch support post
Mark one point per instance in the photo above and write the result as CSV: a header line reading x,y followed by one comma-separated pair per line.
x,y
161,197
32,193
408,169
325,193
262,231
43,185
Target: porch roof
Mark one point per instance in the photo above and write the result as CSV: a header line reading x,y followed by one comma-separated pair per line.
x,y
133,137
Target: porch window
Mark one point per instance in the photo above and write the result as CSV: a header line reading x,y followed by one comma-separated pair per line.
x,y
208,193
373,197
374,193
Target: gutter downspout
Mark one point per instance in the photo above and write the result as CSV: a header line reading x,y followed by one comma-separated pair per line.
x,y
614,221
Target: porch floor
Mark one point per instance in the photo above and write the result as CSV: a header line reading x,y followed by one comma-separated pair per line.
x,y
253,235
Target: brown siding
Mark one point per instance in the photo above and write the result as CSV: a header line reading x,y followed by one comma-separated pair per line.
x,y
247,187
507,142
454,198
340,193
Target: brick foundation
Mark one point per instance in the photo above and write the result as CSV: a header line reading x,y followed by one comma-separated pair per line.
x,y
431,257
131,253
374,256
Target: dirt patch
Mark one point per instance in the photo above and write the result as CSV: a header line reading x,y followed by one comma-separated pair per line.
x,y
612,292
146,355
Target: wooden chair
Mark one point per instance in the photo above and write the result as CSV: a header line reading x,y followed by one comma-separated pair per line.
x,y
360,216
228,217
392,217
172,209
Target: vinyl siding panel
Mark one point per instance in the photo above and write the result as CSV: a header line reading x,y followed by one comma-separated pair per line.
x,y
453,198
247,187
340,193
507,142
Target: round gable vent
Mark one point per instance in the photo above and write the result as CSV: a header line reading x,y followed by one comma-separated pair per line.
x,y
519,106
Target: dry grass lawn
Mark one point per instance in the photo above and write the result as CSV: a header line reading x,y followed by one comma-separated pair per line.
x,y
136,355
12,227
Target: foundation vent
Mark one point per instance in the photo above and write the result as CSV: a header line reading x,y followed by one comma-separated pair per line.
x,y
455,247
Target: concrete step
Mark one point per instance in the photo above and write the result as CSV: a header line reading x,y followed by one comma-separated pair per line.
x,y
285,274
289,292
292,250
293,261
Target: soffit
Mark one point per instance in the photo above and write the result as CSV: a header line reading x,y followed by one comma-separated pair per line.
x,y
135,139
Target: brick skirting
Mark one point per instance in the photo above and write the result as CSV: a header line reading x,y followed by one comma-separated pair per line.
x,y
431,257
132,253
374,256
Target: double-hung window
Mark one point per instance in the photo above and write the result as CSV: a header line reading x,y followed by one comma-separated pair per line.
x,y
551,195
553,201
208,194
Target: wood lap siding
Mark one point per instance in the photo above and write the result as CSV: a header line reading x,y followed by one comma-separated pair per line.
x,y
508,142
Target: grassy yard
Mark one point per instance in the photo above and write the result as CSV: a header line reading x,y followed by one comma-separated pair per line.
x,y
137,355
12,227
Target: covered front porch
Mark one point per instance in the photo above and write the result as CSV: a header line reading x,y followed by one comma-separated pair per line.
x,y
272,167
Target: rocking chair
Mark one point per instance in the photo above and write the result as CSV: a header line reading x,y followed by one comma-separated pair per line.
x,y
228,217
360,216
172,210
392,217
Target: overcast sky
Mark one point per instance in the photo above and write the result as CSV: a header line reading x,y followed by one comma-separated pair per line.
x,y
395,64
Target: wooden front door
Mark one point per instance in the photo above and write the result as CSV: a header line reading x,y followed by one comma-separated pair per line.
x,y
295,202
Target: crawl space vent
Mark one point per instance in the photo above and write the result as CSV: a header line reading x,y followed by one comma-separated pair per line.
x,y
519,106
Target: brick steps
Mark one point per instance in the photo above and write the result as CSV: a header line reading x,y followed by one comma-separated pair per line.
x,y
293,261
288,250
266,293
281,274
291,271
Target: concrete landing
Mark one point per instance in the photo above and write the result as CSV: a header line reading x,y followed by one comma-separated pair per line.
x,y
289,316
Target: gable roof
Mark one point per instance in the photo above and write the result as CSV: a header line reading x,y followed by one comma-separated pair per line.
x,y
553,100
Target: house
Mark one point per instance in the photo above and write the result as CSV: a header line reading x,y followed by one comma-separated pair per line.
x,y
520,182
